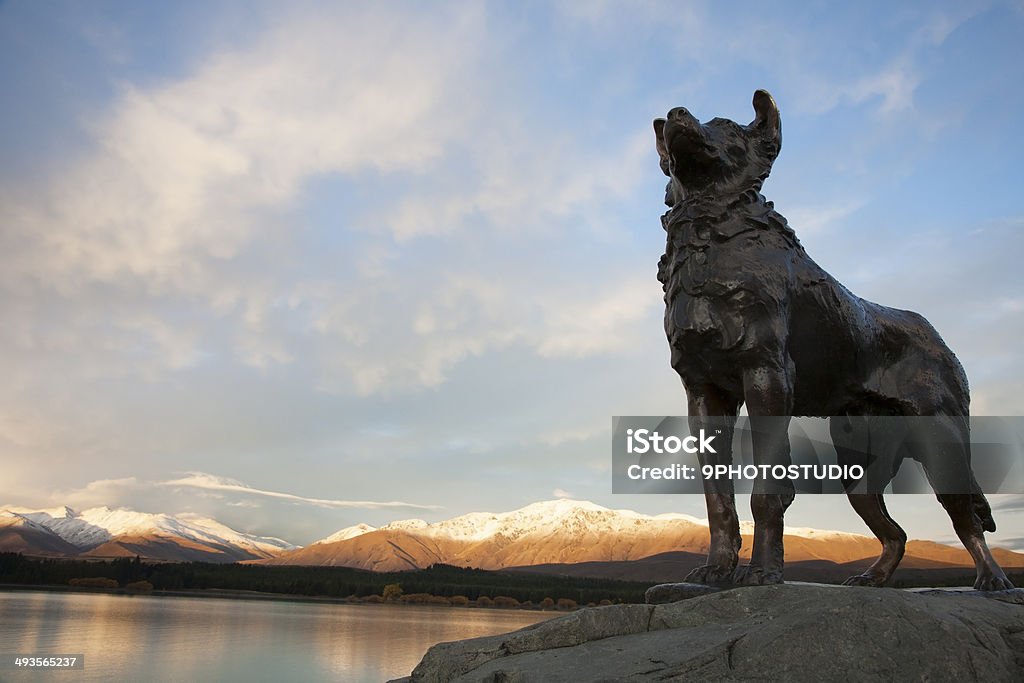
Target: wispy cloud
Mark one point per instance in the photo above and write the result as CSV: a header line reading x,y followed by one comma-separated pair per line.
x,y
185,177
178,168
1014,544
813,220
891,88
175,227
219,491
210,482
1009,503
99,492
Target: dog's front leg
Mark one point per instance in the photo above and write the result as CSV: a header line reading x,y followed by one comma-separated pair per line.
x,y
768,393
713,411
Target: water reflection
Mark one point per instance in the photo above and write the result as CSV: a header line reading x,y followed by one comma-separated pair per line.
x,y
148,638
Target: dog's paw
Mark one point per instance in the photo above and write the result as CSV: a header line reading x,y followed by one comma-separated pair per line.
x,y
710,575
865,580
755,575
993,582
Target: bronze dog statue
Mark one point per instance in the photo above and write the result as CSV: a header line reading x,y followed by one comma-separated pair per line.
x,y
751,319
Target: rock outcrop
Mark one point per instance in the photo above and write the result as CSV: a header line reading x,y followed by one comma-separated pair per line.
x,y
786,632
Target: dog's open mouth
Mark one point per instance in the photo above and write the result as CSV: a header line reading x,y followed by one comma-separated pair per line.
x,y
693,158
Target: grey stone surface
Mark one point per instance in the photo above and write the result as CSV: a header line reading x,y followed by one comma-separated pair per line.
x,y
782,632
1014,596
446,661
674,592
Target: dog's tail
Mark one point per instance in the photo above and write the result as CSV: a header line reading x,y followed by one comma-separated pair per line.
x,y
982,510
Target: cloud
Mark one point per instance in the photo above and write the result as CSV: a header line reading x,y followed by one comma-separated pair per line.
x,y
819,65
173,241
817,219
210,482
1014,544
1008,503
179,168
522,179
895,85
586,325
561,493
563,434
98,492
891,85
149,245
132,491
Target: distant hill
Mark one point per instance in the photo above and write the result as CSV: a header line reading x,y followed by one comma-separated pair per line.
x,y
673,566
557,534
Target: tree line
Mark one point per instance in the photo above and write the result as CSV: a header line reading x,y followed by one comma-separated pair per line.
x,y
442,581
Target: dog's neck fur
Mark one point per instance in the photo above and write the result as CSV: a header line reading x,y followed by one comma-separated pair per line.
x,y
724,212
701,219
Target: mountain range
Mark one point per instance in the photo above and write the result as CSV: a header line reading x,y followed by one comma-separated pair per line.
x,y
563,532
104,533
558,536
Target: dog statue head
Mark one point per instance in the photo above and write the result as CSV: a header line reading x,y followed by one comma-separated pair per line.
x,y
720,158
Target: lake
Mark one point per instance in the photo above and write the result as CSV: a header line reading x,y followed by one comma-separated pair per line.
x,y
147,638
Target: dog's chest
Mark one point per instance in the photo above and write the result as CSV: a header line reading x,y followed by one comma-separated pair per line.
x,y
698,244
698,281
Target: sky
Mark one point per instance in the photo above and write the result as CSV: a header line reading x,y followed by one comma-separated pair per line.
x,y
299,265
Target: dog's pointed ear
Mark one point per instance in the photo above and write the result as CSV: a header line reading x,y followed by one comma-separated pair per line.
x,y
659,141
767,120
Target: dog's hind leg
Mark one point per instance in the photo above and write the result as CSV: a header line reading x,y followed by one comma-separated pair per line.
x,y
944,451
871,508
712,410
855,445
969,528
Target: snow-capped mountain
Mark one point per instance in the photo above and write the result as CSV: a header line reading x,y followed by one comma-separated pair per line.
x,y
568,531
102,532
347,533
551,517
21,535
552,533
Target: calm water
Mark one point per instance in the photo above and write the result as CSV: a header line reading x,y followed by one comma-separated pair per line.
x,y
144,638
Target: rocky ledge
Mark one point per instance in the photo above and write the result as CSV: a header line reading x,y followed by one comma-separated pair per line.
x,y
787,632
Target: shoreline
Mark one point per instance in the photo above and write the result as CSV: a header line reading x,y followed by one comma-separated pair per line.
x,y
229,594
